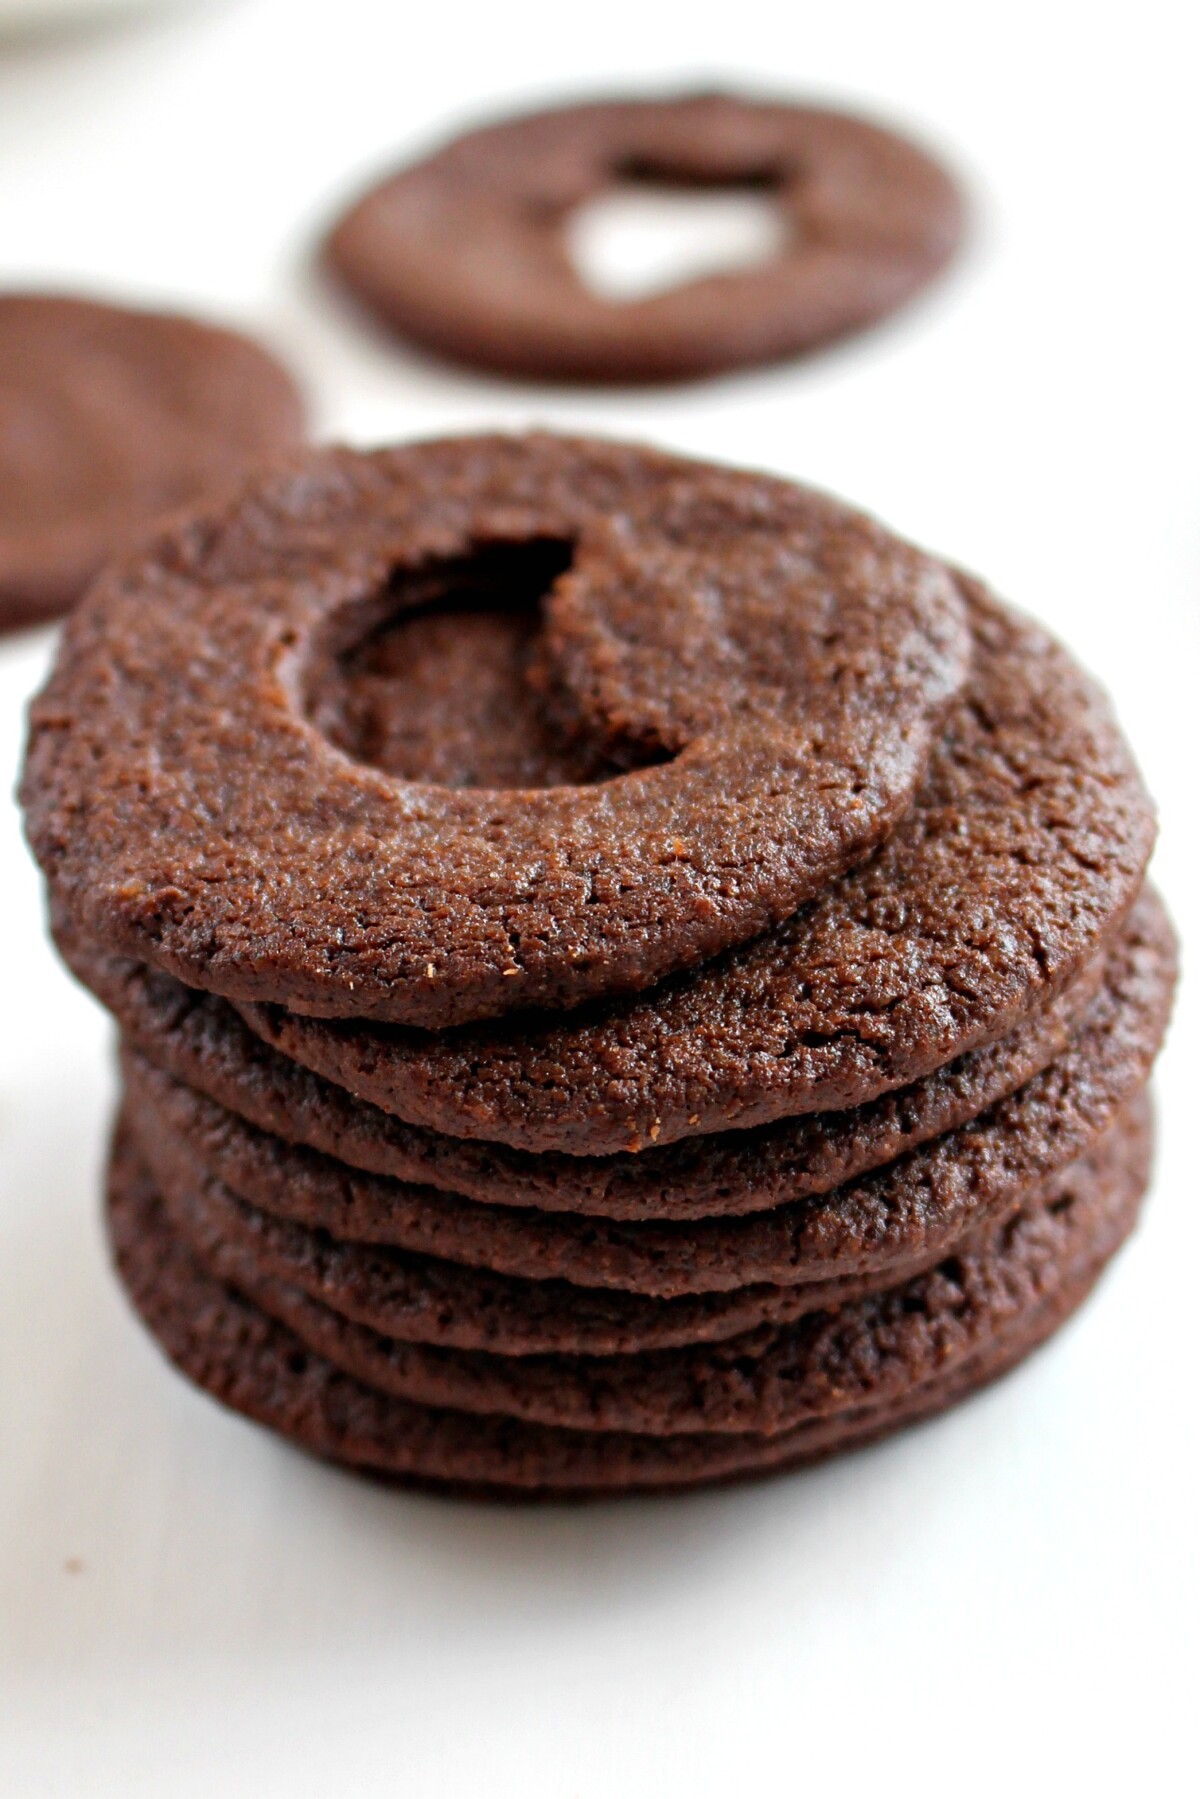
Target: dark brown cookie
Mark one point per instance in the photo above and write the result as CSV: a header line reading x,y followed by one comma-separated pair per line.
x,y
581,1286
109,418
422,1299
859,1376
899,1217
1023,851
772,668
201,1040
466,251
766,1381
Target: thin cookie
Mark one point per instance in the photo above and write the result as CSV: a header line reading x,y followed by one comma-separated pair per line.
x,y
466,252
108,418
758,674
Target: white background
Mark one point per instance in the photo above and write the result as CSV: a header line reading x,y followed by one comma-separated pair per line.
x,y
1003,1601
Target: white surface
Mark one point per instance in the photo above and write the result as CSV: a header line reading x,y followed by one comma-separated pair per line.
x,y
1002,1601
36,15
644,237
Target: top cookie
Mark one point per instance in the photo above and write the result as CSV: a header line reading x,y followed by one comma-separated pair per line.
x,y
752,675
109,418
1014,866
466,251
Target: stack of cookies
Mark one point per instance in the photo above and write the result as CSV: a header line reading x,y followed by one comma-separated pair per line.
x,y
628,974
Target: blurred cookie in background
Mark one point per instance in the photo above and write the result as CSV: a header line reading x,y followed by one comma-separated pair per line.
x,y
470,252
108,418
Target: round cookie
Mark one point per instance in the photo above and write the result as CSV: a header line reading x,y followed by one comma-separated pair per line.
x,y
466,252
861,1239
422,1299
765,1381
955,1333
108,418
901,1216
770,668
201,1040
1021,854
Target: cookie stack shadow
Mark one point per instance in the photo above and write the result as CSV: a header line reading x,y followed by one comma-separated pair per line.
x,y
777,1203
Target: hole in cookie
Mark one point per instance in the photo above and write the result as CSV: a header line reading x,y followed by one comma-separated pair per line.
x,y
654,230
445,682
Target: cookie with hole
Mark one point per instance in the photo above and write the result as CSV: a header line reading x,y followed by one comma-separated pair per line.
x,y
467,251
228,776
1020,856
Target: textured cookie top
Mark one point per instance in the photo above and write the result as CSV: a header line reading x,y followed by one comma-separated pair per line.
x,y
752,675
467,251
108,418
1023,851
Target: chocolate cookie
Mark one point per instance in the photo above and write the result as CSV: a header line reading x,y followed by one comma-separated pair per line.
x,y
1020,856
767,1380
466,252
899,1217
201,1040
771,669
858,1374
423,1299
737,1272
108,418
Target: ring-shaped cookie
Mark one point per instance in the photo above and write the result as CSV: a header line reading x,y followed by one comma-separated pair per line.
x,y
772,669
466,252
1014,866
